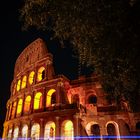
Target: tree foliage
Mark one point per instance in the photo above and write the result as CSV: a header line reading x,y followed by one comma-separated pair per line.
x,y
105,33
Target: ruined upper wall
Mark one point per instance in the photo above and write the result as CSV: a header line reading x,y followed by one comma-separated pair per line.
x,y
31,54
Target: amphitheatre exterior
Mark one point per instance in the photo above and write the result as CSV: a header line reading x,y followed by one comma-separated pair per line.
x,y
49,106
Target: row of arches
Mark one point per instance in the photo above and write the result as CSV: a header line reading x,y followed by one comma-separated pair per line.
x,y
36,102
22,83
67,131
112,129
92,99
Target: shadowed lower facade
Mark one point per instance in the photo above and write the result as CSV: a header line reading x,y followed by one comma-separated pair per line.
x,y
45,105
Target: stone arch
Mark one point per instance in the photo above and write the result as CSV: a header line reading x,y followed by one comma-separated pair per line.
x,y
19,106
50,97
95,130
25,131
89,127
38,101
35,131
67,130
18,85
16,132
112,128
41,74
24,82
9,135
91,98
31,77
27,103
49,132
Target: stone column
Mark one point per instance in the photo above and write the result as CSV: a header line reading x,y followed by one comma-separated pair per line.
x,y
29,129
41,129
12,134
58,99
22,111
76,125
103,130
32,103
43,99
5,132
57,129
20,131
16,109
7,113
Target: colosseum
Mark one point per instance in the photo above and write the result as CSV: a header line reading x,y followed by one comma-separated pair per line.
x,y
43,105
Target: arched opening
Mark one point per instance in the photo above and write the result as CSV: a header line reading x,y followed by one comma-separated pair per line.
x,y
92,99
35,131
51,97
49,131
38,100
13,110
9,136
15,133
111,130
23,85
19,107
25,132
41,74
27,103
75,99
67,130
18,85
31,77
95,130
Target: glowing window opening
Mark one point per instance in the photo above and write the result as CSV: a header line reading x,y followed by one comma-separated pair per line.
x,y
19,107
49,97
41,74
38,100
9,133
27,103
50,131
35,131
25,131
23,85
18,85
15,133
31,77
68,130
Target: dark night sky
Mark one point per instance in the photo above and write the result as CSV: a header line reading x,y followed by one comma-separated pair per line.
x,y
12,43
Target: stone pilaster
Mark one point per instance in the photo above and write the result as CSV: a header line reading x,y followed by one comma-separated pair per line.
x,y
76,125
42,129
57,129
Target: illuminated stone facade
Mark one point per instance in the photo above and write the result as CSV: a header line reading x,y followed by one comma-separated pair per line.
x,y
43,105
